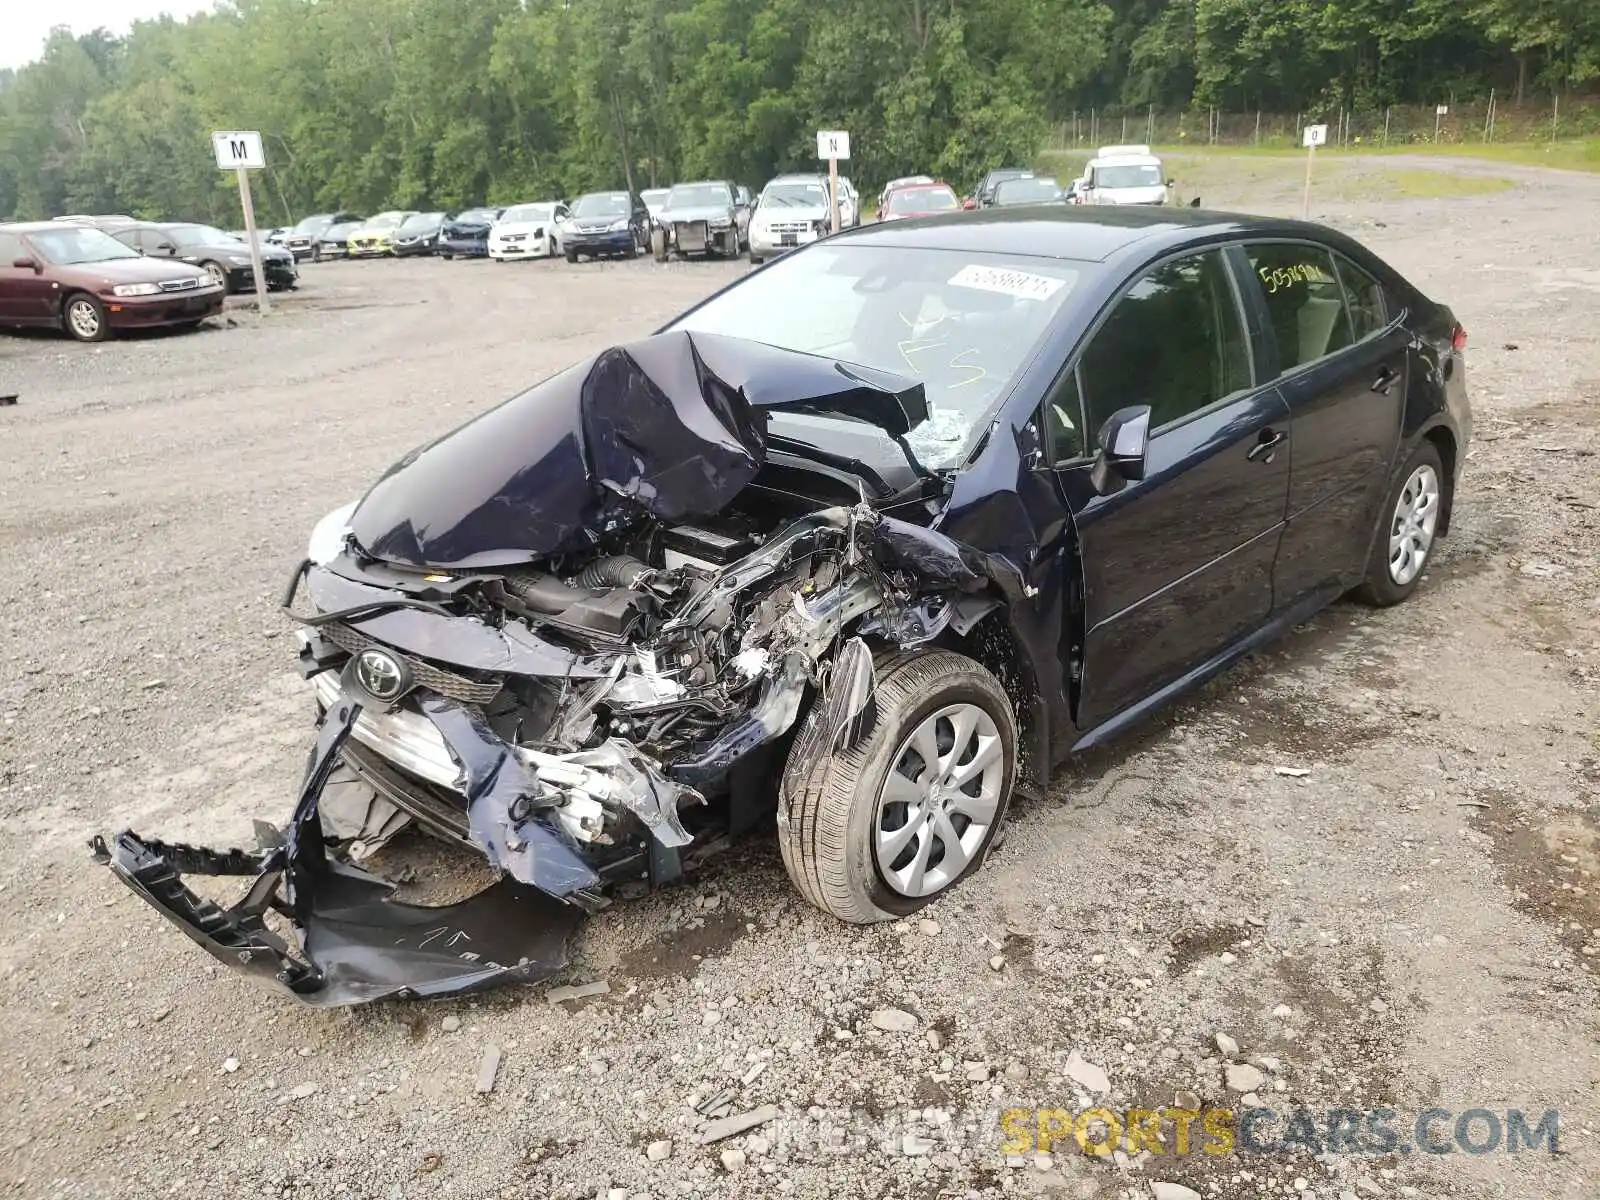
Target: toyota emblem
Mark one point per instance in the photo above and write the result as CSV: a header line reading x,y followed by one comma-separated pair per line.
x,y
380,674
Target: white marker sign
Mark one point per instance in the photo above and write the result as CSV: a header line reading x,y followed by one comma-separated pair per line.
x,y
238,148
833,144
1316,135
1443,110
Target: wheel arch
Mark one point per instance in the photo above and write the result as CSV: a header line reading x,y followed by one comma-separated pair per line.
x,y
995,646
1444,441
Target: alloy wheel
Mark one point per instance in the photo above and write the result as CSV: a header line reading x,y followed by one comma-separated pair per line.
x,y
84,318
1416,514
218,275
939,800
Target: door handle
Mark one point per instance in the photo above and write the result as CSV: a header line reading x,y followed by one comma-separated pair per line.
x,y
1386,379
1263,450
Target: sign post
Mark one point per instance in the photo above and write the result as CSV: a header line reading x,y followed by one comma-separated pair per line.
x,y
1315,135
1440,111
833,145
240,151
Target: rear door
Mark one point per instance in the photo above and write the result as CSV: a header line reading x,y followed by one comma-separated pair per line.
x,y
26,295
1176,567
1341,358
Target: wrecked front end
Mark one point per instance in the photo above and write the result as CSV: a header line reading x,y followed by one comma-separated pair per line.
x,y
574,637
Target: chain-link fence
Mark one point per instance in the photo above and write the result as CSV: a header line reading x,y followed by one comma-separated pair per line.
x,y
1446,123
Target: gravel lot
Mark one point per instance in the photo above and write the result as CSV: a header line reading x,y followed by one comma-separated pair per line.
x,y
1412,923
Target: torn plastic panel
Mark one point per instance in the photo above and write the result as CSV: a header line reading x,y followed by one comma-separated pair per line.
x,y
769,719
356,944
671,426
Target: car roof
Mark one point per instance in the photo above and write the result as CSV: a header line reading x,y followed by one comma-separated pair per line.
x,y
1093,234
40,226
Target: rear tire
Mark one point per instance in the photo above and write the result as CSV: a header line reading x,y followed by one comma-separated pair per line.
x,y
84,318
842,817
755,259
572,256
1403,542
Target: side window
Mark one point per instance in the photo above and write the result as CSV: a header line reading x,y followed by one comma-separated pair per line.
x,y
11,249
1304,301
130,238
1364,297
1063,420
1175,341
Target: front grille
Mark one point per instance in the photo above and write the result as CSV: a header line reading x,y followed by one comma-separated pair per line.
x,y
435,679
179,285
791,227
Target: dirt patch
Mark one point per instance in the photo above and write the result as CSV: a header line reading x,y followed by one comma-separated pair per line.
x,y
1552,865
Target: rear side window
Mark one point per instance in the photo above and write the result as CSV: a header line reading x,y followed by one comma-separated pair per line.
x,y
1304,301
1364,296
1174,341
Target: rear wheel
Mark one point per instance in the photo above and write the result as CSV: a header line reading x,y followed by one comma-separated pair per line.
x,y
884,828
85,318
1404,541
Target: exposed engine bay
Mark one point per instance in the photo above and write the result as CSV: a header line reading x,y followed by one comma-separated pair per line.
x,y
557,636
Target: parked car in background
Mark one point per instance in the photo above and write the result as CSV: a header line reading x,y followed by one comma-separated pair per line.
x,y
655,200
96,221
1029,189
1124,175
418,234
82,280
334,241
607,225
529,231
302,239
466,235
374,237
919,200
903,181
792,210
702,218
224,257
983,195
849,204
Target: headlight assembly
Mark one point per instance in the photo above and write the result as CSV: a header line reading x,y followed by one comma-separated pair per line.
x,y
328,535
618,226
136,289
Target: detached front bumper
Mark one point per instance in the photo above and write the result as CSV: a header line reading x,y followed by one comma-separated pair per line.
x,y
354,942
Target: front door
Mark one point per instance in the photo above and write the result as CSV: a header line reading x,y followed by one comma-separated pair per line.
x,y
1343,364
1177,567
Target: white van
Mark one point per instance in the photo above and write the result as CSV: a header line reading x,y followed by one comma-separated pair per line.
x,y
1123,175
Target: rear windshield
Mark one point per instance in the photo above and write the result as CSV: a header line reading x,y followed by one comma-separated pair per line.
x,y
603,204
68,245
961,323
922,200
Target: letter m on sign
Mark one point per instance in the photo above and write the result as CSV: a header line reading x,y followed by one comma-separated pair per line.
x,y
237,148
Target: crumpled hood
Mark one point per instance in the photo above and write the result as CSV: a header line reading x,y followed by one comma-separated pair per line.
x,y
702,212
673,425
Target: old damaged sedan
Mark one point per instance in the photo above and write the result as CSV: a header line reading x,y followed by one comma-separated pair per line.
x,y
854,550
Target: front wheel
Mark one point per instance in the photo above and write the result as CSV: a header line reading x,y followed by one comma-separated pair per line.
x,y
85,318
218,275
885,827
730,246
1404,542
658,244
755,259
572,256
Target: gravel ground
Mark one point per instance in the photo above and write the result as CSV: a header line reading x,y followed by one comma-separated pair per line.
x,y
1412,922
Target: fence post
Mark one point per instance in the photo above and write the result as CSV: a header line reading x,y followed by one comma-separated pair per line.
x,y
1488,115
1386,125
1150,125
1555,115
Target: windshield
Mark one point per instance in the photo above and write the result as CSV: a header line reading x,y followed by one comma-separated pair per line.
x,y
313,225
197,235
800,194
603,204
528,212
421,222
1132,175
922,200
388,220
960,323
341,230
478,216
1027,191
655,197
699,195
68,245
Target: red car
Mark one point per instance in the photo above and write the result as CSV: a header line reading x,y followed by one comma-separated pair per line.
x,y
919,200
86,282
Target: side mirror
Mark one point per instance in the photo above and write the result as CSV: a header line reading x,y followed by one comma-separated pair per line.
x,y
1124,440
969,204
166,247
26,264
1195,203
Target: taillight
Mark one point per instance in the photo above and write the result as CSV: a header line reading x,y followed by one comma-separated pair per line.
x,y
1458,339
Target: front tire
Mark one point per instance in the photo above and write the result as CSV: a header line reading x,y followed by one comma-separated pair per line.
x,y
84,318
658,244
1404,541
219,276
887,826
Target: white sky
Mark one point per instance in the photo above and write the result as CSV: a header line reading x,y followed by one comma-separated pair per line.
x,y
24,24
